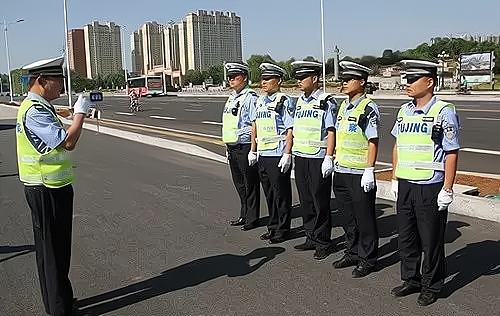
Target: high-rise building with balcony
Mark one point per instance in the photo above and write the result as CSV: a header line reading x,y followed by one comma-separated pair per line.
x,y
136,52
103,49
152,45
76,52
212,38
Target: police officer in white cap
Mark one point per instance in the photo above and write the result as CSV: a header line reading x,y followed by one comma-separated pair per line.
x,y
45,168
424,163
238,117
313,145
354,180
272,139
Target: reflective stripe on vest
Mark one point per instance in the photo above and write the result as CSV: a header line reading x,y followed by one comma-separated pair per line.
x,y
307,125
351,143
267,126
230,130
415,147
53,169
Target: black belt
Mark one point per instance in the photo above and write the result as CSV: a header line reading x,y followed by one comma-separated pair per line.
x,y
237,146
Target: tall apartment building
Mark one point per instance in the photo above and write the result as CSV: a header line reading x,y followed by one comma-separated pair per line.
x,y
136,52
212,38
152,45
103,49
76,51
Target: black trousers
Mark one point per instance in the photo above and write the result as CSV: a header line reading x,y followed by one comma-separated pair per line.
x,y
358,209
52,216
278,191
314,196
421,229
246,181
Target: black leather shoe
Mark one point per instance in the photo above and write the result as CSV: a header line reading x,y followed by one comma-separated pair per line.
x,y
249,226
238,222
277,240
426,298
322,253
345,262
305,246
405,289
362,270
266,236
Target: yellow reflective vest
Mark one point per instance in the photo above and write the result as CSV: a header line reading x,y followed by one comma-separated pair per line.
x,y
307,124
415,147
52,169
267,129
231,117
351,145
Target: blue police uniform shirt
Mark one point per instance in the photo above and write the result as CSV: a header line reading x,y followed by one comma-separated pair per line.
x,y
247,113
370,129
328,121
284,121
43,130
449,141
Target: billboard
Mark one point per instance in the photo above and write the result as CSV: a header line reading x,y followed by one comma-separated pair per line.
x,y
476,64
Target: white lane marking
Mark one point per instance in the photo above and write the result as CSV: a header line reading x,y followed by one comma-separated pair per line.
x,y
162,117
193,110
213,123
481,151
124,113
163,128
483,118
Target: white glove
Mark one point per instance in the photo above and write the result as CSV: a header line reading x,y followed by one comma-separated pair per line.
x,y
327,166
285,162
368,179
82,105
394,188
444,199
253,156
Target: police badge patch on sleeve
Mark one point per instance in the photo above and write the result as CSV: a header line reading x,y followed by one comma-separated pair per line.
x,y
449,131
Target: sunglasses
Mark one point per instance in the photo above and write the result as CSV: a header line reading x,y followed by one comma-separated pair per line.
x,y
232,77
349,78
412,79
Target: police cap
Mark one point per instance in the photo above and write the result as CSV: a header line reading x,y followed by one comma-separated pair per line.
x,y
419,68
303,69
236,68
352,70
48,67
268,70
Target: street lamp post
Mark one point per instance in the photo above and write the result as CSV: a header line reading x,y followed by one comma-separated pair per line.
x,y
11,92
68,70
323,47
442,55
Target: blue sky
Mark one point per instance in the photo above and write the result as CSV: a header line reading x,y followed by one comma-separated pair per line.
x,y
281,28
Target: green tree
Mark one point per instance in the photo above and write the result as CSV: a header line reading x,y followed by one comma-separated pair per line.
x,y
253,65
217,74
78,82
17,86
193,76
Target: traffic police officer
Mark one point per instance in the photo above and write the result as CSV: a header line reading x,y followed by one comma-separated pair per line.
x,y
272,138
45,168
238,117
354,180
313,145
424,161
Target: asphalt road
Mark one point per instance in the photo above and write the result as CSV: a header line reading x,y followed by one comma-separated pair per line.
x,y
150,237
202,115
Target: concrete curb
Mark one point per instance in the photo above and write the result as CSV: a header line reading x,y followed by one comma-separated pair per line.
x,y
186,148
463,204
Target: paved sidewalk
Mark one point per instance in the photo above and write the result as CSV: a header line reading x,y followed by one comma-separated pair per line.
x,y
151,237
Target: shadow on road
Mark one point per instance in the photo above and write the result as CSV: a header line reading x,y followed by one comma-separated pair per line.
x,y
183,276
470,263
4,127
9,175
21,250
